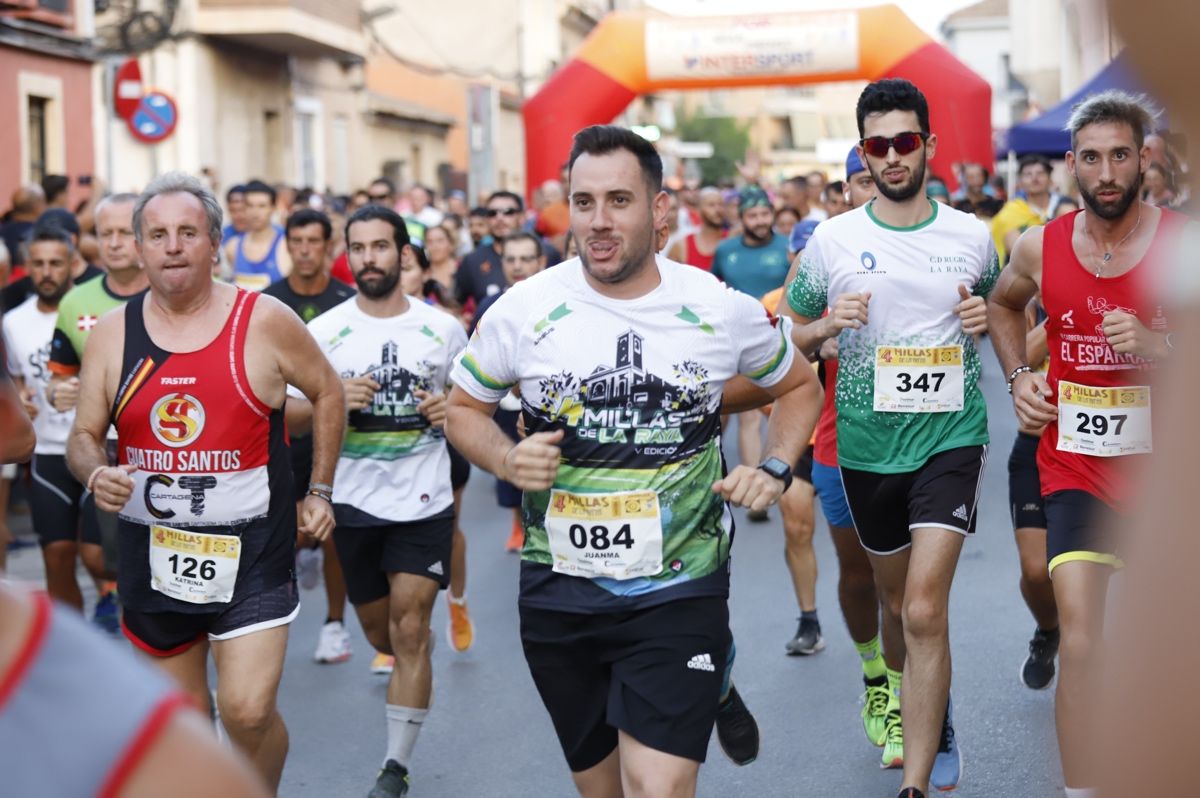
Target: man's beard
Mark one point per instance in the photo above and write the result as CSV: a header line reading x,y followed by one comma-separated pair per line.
x,y
630,265
1112,210
904,192
757,237
50,292
377,289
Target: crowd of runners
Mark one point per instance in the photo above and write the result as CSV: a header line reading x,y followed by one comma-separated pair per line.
x,y
221,406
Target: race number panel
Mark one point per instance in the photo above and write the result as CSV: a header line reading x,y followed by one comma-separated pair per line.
x,y
192,566
918,379
614,535
1104,422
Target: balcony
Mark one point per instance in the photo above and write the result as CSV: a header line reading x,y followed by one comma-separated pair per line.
x,y
311,28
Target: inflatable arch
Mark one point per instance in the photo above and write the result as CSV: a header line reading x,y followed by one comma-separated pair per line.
x,y
629,54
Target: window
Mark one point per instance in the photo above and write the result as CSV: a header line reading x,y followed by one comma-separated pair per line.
x,y
51,12
36,130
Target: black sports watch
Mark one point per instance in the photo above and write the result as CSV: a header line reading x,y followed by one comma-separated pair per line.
x,y
778,469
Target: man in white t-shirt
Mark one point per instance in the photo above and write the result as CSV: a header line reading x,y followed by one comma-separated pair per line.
x,y
65,532
392,496
621,358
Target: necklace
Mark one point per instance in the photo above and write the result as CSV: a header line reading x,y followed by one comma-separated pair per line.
x,y
1109,254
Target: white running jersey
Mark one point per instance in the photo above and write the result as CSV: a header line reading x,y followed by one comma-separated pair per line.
x,y
394,466
27,335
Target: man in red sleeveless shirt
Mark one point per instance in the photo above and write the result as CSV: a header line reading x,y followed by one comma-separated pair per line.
x,y
193,375
1096,270
697,249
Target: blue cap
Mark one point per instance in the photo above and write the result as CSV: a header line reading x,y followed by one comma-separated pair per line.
x,y
800,235
854,164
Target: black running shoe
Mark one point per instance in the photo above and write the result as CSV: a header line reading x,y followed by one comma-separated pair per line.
x,y
392,781
911,792
737,731
808,638
1038,670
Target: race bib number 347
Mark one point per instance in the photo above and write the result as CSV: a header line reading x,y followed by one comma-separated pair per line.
x,y
1104,422
921,379
614,535
192,566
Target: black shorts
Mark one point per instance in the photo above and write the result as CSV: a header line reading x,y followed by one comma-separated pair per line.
x,y
460,468
302,454
165,634
1079,527
942,493
58,503
803,469
369,553
654,674
1025,485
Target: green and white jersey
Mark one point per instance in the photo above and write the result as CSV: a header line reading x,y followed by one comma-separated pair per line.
x,y
913,275
78,313
635,385
394,466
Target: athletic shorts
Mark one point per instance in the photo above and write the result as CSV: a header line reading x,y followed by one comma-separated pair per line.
x,y
57,503
828,483
302,455
654,674
165,634
943,493
1079,526
369,553
804,467
1024,485
460,468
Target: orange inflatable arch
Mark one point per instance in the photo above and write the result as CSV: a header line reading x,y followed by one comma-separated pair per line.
x,y
629,54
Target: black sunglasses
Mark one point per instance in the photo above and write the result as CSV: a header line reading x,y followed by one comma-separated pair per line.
x,y
494,212
904,143
379,197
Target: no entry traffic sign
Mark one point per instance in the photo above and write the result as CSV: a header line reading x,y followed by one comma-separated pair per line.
x,y
154,118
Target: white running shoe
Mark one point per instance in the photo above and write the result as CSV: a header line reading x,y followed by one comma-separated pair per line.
x,y
334,643
309,563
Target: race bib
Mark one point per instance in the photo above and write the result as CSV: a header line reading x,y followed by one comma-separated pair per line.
x,y
192,566
614,535
1104,422
926,379
252,282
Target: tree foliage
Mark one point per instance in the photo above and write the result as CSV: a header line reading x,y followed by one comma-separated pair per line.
x,y
729,138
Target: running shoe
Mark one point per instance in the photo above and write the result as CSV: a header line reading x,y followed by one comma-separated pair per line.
x,y
107,615
1038,670
309,562
516,539
911,792
893,742
382,664
808,639
874,711
334,644
460,631
737,731
392,781
947,764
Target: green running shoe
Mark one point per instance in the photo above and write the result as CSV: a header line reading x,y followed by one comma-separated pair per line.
x,y
392,781
874,711
893,744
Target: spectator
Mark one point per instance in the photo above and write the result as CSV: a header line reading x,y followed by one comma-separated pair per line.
x,y
975,186
28,202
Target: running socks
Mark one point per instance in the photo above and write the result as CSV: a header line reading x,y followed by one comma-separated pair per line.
x,y
403,726
871,654
1079,792
894,679
460,601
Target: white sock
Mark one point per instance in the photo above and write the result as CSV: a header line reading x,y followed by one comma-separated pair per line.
x,y
459,600
403,726
1080,792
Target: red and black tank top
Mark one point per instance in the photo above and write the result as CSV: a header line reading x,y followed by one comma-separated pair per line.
x,y
697,258
1076,301
210,457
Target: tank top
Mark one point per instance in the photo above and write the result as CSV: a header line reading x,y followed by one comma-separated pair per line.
x,y
697,258
211,458
1075,301
77,713
825,442
255,275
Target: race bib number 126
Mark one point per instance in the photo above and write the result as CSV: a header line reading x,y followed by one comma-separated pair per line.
x,y
193,567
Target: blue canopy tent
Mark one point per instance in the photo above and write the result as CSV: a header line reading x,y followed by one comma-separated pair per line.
x,y
1044,135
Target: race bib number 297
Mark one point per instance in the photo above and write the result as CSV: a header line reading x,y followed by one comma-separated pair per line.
x,y
1104,422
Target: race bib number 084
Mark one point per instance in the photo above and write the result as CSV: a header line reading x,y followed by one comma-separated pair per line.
x,y
1104,422
925,379
613,535
194,567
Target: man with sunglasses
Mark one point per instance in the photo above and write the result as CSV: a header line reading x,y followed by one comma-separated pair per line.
x,y
905,281
481,273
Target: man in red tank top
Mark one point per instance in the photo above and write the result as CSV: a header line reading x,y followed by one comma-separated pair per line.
x,y
1096,270
697,249
194,375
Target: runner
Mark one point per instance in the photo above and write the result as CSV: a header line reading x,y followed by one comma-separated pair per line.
x,y
55,497
258,256
193,374
1097,270
393,499
697,248
905,279
309,292
624,573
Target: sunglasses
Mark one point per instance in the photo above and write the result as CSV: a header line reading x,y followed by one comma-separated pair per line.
x,y
878,146
379,197
494,212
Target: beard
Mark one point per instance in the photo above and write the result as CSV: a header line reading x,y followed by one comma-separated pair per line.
x,y
904,192
377,289
51,292
633,262
1115,209
760,235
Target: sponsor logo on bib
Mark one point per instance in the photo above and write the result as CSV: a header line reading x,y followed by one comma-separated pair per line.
x,y
177,419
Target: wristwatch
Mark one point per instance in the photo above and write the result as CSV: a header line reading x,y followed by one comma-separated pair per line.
x,y
778,469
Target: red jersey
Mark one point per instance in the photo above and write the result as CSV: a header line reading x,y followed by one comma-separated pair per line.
x,y
1076,301
695,257
825,445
